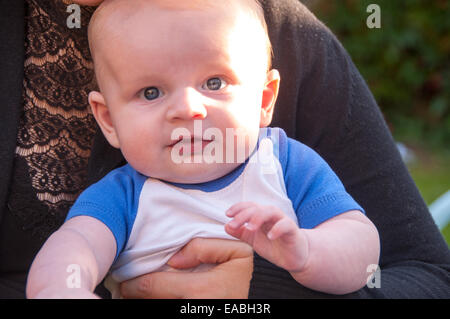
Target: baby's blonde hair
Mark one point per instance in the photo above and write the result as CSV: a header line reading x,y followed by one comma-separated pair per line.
x,y
110,7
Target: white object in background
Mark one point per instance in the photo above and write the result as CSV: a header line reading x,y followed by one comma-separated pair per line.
x,y
406,154
440,210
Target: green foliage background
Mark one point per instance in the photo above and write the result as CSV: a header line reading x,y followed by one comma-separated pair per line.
x,y
406,62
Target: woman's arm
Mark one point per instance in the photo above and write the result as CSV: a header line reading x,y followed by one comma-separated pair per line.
x,y
72,261
325,103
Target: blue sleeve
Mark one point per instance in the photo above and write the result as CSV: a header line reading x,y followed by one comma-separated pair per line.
x,y
316,192
113,201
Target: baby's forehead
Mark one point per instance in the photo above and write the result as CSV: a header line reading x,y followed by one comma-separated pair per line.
x,y
114,18
113,14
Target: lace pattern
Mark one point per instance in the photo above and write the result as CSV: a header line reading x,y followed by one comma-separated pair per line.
x,y
56,128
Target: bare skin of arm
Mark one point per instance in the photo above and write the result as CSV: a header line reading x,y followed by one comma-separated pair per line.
x,y
332,257
83,242
231,277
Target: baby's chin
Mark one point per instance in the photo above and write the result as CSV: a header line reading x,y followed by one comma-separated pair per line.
x,y
196,173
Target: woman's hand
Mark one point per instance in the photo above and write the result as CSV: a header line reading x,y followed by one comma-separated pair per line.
x,y
230,278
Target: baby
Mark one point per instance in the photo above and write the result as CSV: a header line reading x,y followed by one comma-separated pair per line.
x,y
187,94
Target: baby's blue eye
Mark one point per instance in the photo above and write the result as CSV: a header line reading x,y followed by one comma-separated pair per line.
x,y
151,93
215,84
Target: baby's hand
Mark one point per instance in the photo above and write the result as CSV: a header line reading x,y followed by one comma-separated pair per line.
x,y
271,233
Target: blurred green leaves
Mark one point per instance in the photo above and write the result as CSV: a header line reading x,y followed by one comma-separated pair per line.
x,y
406,62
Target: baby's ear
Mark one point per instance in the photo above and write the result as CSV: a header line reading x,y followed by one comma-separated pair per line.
x,y
103,117
269,97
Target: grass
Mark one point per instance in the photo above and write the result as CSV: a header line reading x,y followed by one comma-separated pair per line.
x,y
430,170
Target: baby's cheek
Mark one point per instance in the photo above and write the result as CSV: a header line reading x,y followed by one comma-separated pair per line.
x,y
135,155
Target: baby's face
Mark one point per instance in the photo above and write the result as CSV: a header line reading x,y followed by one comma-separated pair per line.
x,y
175,80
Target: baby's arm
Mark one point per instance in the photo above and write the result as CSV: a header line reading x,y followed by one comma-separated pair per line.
x,y
72,261
333,257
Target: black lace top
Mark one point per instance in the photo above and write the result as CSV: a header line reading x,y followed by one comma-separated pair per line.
x,y
56,129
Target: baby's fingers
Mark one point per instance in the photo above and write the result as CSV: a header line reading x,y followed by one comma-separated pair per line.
x,y
265,218
257,217
243,217
283,227
239,207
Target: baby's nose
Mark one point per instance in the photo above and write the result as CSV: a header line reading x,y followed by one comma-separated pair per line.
x,y
189,105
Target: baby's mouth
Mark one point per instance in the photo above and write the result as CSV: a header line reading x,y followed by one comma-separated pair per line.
x,y
195,144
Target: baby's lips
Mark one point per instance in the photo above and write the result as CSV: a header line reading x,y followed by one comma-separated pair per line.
x,y
193,140
173,142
